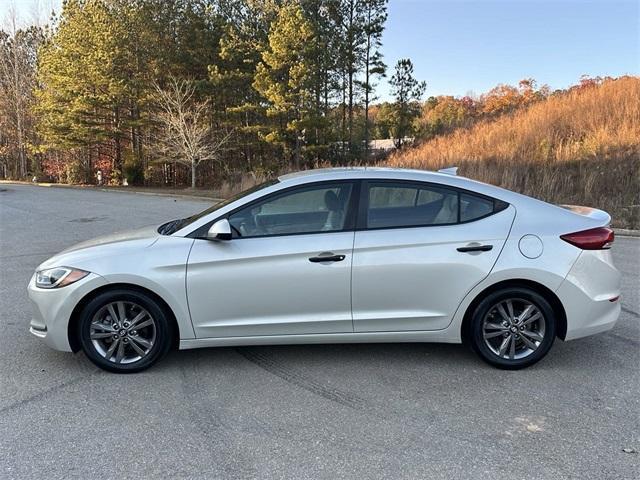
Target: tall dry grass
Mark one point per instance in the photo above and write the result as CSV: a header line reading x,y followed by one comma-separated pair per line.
x,y
580,147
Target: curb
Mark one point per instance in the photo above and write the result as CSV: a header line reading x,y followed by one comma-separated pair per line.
x,y
111,190
623,232
200,198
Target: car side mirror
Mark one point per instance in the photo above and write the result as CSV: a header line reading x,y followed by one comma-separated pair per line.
x,y
221,230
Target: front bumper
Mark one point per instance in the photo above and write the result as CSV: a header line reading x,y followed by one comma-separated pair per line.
x,y
591,294
52,309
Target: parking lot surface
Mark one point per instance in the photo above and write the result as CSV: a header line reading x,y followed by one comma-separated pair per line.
x,y
321,411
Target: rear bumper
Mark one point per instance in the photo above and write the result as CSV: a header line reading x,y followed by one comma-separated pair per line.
x,y
591,294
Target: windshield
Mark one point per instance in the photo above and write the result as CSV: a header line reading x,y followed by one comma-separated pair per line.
x,y
175,225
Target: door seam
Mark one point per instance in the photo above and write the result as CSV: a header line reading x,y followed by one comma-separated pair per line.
x,y
186,290
353,252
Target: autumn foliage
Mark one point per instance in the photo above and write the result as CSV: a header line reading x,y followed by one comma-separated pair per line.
x,y
581,145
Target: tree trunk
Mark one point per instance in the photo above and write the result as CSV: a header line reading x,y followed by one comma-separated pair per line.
x,y
21,156
88,164
344,115
193,175
22,163
136,139
366,100
118,158
297,150
350,69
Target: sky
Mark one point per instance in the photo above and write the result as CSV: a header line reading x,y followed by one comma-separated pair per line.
x,y
459,47
463,46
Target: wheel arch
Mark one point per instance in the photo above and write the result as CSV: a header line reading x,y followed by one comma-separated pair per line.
x,y
72,330
548,294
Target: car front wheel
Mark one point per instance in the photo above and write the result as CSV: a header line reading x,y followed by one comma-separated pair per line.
x,y
513,328
124,331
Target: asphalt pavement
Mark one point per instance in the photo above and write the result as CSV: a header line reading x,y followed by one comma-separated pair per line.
x,y
321,411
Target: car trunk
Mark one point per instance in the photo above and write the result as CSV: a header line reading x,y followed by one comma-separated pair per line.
x,y
599,216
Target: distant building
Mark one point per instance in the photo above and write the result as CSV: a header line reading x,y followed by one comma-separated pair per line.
x,y
385,145
378,148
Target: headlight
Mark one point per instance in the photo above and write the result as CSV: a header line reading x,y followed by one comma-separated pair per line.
x,y
58,277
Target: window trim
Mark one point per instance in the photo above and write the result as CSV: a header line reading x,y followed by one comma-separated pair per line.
x,y
350,217
363,208
356,218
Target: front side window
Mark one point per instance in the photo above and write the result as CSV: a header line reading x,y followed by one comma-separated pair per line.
x,y
320,208
175,225
410,205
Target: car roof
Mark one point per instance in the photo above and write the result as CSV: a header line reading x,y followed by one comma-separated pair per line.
x,y
385,173
337,173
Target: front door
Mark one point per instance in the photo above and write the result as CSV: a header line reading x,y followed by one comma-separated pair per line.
x,y
286,271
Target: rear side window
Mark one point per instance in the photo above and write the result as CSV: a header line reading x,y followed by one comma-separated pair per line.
x,y
473,207
397,205
408,204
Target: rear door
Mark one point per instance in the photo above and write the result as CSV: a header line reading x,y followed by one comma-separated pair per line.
x,y
419,249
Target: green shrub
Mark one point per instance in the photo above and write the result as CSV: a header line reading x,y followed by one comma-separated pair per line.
x,y
133,171
74,172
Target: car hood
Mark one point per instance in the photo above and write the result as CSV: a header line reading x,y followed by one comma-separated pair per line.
x,y
112,244
149,232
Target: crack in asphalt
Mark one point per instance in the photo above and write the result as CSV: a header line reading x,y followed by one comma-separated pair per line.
x,y
99,218
631,341
414,425
27,255
44,393
329,393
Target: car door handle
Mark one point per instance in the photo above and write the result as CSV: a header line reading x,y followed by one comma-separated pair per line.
x,y
475,248
327,258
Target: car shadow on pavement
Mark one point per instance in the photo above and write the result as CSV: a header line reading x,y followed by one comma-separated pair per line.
x,y
564,356
356,355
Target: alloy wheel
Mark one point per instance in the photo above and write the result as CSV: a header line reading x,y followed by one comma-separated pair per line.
x,y
122,332
513,328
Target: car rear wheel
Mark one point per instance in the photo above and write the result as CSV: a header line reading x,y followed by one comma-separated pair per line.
x,y
513,328
124,331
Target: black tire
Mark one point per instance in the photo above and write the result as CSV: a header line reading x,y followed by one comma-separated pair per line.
x,y
485,309
163,331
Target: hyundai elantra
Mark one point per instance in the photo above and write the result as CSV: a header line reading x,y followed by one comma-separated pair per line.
x,y
338,256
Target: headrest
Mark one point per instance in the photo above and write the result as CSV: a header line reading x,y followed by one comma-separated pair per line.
x,y
331,201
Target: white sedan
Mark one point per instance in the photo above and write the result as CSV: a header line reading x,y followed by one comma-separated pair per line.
x,y
338,255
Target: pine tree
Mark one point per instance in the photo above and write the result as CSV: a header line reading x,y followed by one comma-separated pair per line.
x,y
407,92
375,16
236,103
285,77
280,73
85,80
349,19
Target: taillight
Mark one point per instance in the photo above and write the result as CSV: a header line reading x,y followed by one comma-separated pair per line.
x,y
599,238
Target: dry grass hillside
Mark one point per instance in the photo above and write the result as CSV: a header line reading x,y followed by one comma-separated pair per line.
x,y
578,147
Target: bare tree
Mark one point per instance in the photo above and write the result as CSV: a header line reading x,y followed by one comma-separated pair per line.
x,y
16,85
18,59
184,132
